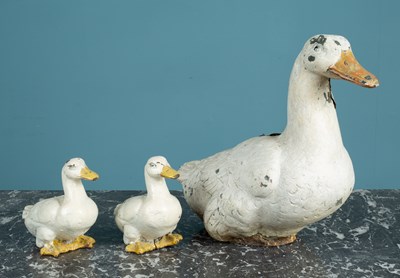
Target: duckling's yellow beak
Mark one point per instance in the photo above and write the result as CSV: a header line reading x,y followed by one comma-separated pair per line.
x,y
349,68
169,173
88,174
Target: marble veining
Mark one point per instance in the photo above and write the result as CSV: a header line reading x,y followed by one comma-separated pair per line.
x,y
361,239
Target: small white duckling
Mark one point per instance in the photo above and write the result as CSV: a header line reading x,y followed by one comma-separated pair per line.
x,y
147,221
59,223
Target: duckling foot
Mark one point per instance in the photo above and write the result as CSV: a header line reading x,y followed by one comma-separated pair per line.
x,y
58,246
81,242
140,247
168,240
50,250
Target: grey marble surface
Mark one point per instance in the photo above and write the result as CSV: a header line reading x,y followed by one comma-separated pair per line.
x,y
362,239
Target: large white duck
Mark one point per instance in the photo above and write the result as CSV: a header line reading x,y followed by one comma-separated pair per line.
x,y
59,223
148,221
266,189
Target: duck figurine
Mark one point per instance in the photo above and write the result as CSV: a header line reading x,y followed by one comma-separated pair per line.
x,y
148,221
59,223
266,189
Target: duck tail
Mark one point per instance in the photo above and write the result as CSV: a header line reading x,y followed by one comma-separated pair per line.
x,y
116,209
26,211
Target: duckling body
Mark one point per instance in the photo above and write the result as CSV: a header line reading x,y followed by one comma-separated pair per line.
x,y
266,189
59,221
148,221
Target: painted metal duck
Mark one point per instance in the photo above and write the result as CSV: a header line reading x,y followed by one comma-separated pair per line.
x,y
59,223
268,188
148,221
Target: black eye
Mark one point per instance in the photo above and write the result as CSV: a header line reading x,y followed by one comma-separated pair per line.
x,y
71,166
152,165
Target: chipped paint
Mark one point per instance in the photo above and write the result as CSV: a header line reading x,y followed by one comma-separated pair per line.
x,y
321,40
263,185
275,134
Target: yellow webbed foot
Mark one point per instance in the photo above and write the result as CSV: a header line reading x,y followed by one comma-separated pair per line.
x,y
140,247
83,242
58,246
50,250
168,240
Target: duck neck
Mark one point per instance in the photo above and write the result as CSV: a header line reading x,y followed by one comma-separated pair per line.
x,y
73,189
156,187
311,109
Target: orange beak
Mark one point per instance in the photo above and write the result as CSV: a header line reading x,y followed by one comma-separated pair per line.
x,y
348,68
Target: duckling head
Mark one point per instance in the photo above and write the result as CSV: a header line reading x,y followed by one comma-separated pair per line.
x,y
76,169
158,167
331,56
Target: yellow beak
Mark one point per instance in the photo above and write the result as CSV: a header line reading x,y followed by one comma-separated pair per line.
x,y
88,174
169,173
349,68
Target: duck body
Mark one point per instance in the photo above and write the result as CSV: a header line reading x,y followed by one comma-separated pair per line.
x,y
143,220
63,218
148,221
65,221
267,188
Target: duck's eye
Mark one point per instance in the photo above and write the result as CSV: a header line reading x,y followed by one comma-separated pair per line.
x,y
71,166
152,165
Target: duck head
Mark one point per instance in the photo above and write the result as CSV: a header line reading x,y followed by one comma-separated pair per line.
x,y
76,169
332,57
158,167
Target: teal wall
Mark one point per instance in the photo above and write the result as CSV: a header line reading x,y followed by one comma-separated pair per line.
x,y
116,82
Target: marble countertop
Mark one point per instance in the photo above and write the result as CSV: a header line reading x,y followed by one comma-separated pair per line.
x,y
362,239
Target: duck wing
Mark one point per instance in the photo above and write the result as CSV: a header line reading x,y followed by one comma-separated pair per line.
x,y
42,213
126,212
251,168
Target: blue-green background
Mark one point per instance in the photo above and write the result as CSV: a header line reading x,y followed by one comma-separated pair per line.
x,y
116,82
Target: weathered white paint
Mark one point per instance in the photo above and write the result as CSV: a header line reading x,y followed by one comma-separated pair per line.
x,y
64,217
148,217
274,186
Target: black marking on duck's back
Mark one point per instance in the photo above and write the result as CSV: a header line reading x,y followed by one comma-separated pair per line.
x,y
321,40
189,192
267,179
274,134
217,171
338,43
263,185
311,58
